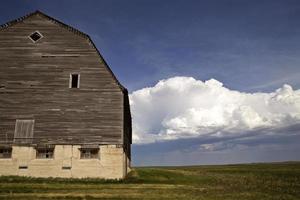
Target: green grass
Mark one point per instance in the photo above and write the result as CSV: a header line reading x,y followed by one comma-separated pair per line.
x,y
238,182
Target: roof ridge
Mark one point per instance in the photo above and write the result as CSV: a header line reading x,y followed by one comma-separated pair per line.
x,y
12,22
70,28
38,12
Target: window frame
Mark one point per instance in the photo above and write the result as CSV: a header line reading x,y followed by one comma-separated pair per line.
x,y
71,79
35,41
41,153
3,153
86,153
24,131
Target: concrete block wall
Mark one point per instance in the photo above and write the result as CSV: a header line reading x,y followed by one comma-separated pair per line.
x,y
66,163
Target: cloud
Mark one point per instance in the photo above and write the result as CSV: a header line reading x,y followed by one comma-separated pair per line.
x,y
185,108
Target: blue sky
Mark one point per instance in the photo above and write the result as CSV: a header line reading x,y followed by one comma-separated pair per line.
x,y
248,45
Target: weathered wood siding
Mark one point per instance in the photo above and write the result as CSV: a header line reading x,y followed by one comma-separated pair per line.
x,y
127,140
34,84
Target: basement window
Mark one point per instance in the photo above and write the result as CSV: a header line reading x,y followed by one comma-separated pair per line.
x,y
66,167
35,36
5,153
44,153
86,153
74,80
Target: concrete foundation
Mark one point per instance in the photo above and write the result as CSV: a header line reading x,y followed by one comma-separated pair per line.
x,y
111,164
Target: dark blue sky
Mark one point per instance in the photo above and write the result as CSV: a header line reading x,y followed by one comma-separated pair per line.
x,y
249,45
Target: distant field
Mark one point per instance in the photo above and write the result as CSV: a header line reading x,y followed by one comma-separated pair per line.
x,y
238,182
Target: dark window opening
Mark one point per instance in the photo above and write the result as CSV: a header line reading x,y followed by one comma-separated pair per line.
x,y
66,167
44,153
75,81
35,36
23,167
5,153
89,153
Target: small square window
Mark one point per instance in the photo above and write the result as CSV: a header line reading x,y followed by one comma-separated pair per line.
x,y
35,36
44,153
89,153
5,152
74,80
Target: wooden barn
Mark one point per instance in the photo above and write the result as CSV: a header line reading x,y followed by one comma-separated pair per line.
x,y
63,113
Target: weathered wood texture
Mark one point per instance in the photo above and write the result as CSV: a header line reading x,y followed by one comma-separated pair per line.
x,y
127,139
34,84
24,131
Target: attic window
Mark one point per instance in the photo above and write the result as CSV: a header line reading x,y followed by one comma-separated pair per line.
x,y
74,80
35,36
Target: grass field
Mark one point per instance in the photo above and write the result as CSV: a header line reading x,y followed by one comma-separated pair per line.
x,y
238,182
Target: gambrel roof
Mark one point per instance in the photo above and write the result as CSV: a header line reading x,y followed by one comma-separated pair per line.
x,y
70,28
35,86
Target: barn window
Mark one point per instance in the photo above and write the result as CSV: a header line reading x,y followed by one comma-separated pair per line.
x,y
24,131
35,36
5,152
74,80
44,152
89,152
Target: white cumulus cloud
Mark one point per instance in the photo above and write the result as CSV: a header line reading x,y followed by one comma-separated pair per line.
x,y
182,107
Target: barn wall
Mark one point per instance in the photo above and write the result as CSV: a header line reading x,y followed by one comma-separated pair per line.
x,y
34,84
110,165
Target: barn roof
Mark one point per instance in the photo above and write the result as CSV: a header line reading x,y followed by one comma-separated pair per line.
x,y
70,28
